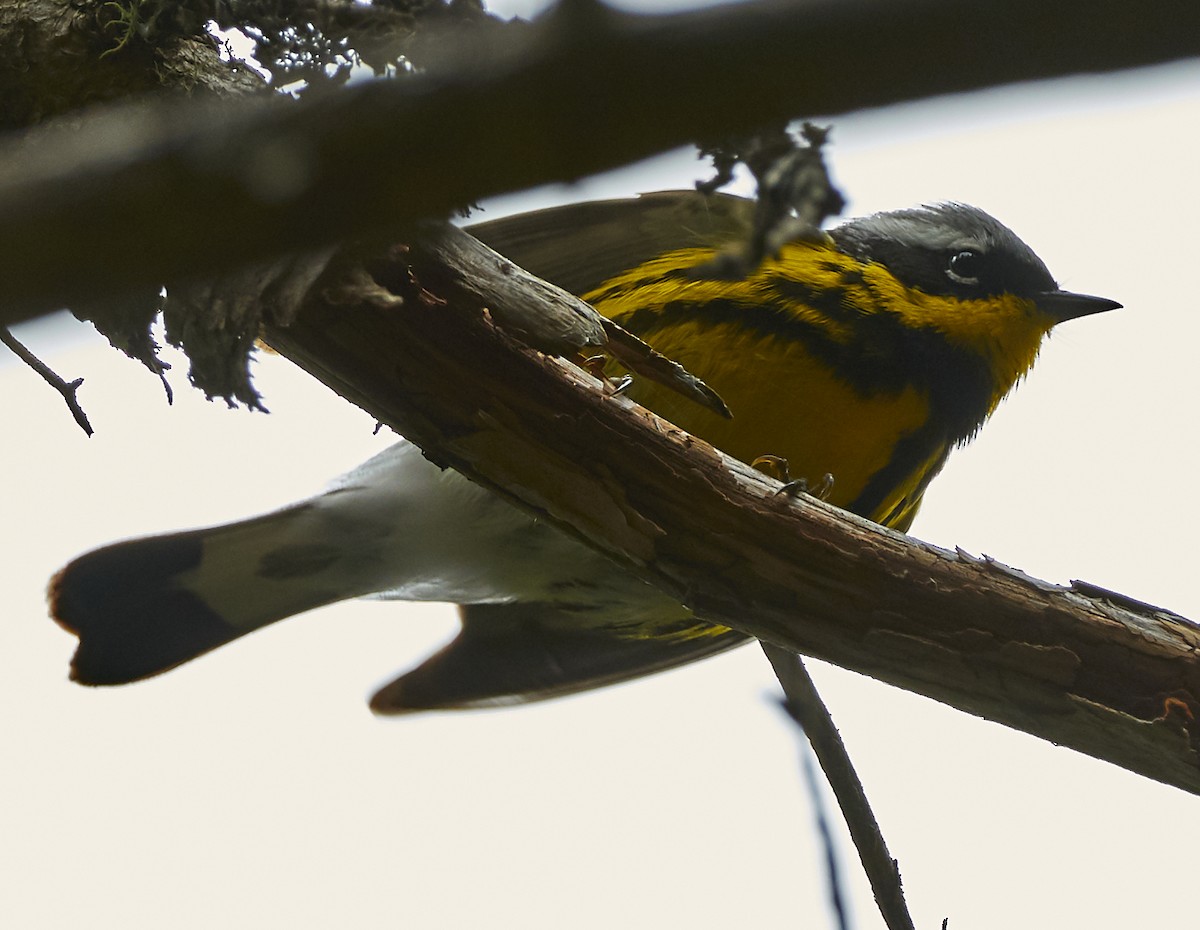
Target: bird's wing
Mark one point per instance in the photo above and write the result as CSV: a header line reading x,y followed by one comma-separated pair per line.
x,y
580,246
517,653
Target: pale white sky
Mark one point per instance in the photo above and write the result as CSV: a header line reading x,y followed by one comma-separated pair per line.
x,y
253,787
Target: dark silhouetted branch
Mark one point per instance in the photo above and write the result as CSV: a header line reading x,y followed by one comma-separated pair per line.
x,y
154,194
807,708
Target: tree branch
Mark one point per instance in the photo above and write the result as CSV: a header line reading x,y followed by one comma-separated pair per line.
x,y
805,706
253,178
68,389
1084,668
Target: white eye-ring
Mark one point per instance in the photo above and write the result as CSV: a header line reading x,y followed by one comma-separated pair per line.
x,y
964,267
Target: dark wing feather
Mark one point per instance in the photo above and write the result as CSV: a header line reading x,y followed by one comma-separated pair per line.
x,y
580,246
516,653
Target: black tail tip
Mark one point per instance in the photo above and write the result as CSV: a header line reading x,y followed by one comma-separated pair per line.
x,y
131,616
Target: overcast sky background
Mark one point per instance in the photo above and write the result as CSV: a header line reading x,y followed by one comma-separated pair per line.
x,y
254,788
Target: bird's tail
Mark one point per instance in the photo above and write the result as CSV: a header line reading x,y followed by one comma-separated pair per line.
x,y
147,605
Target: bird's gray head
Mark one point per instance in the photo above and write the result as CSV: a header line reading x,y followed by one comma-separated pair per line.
x,y
960,251
947,248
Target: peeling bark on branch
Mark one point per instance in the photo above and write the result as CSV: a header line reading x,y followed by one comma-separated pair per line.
x,y
1101,674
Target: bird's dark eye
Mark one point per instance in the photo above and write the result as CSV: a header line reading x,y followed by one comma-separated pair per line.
x,y
964,267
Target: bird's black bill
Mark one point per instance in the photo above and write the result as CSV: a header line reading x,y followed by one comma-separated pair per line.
x,y
1064,305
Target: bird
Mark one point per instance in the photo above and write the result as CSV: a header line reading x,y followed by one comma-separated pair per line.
x,y
867,353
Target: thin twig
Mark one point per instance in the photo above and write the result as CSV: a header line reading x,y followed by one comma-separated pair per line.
x,y
68,390
809,711
837,899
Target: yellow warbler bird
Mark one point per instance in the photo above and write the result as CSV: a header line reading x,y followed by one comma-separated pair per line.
x,y
867,356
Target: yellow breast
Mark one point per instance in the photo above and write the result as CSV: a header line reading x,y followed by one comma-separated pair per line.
x,y
786,399
786,403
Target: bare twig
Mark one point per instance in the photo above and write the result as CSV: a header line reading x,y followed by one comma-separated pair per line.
x,y
805,706
837,899
68,390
